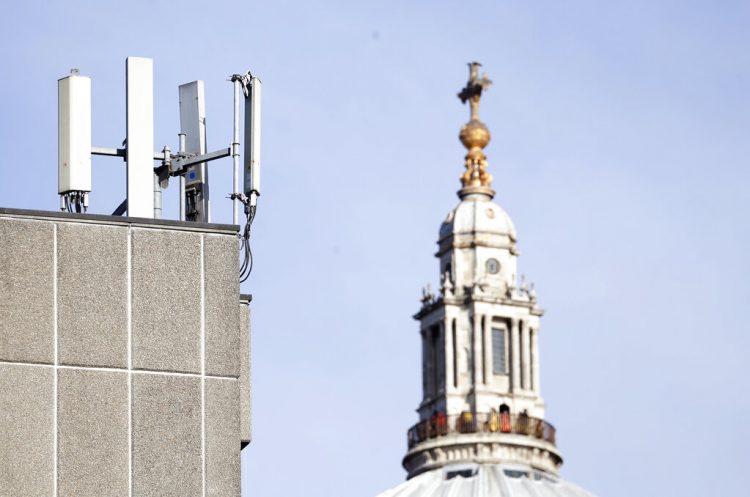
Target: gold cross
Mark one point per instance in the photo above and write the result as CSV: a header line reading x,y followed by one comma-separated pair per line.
x,y
473,89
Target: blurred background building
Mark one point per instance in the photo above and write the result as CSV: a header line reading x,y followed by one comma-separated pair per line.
x,y
482,429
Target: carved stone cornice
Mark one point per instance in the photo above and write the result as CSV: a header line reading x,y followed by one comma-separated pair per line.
x,y
466,298
482,448
475,239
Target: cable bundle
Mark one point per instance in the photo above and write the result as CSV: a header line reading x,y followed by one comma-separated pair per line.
x,y
247,254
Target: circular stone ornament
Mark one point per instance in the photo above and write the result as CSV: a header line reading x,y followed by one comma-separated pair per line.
x,y
493,266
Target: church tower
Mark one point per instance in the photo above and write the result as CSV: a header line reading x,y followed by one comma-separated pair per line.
x,y
480,356
482,430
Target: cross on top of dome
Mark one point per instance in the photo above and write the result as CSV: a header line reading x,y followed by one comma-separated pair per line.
x,y
473,89
475,136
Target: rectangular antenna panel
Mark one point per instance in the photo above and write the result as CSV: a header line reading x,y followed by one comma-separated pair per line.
x,y
252,137
193,126
140,136
74,134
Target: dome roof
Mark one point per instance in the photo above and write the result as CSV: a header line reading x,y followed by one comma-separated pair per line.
x,y
478,214
485,480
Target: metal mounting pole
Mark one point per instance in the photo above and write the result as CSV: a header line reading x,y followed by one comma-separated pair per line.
x,y
157,197
236,153
181,150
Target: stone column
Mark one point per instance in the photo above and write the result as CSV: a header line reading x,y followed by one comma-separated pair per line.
x,y
448,340
525,356
440,362
515,355
476,355
425,363
488,350
535,360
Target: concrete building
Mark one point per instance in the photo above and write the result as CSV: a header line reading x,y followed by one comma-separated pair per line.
x,y
482,429
124,357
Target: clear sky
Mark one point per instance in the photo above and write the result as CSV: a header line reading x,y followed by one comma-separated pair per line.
x,y
620,148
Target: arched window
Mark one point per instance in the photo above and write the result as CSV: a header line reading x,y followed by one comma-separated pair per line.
x,y
504,418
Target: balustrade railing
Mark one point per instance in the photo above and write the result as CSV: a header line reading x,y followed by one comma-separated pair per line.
x,y
492,422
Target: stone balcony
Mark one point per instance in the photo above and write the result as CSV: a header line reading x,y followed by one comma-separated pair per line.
x,y
481,437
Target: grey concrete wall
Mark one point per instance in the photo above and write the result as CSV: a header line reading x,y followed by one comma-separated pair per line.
x,y
245,371
124,357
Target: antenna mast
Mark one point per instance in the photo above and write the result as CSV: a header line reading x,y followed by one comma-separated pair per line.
x,y
145,181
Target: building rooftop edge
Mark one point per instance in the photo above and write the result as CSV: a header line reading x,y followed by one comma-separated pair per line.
x,y
121,220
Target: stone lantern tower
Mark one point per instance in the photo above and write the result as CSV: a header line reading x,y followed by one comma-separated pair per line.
x,y
481,426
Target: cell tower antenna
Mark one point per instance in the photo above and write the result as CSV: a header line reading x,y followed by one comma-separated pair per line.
x,y
145,180
74,141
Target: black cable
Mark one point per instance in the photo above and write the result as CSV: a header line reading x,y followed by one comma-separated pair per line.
x,y
244,237
247,266
247,263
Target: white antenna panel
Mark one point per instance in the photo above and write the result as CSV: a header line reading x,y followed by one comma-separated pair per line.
x,y
139,105
74,134
193,126
193,118
252,138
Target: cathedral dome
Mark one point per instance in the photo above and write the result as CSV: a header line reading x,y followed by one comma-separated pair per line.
x,y
477,214
485,479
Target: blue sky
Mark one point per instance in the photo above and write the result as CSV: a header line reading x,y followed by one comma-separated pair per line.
x,y
620,148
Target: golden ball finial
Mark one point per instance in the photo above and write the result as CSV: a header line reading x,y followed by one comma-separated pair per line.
x,y
474,134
